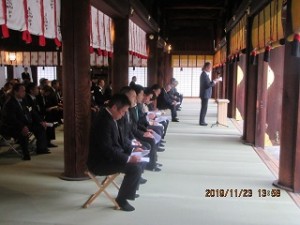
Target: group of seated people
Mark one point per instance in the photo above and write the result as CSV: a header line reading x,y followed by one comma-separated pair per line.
x,y
30,109
130,123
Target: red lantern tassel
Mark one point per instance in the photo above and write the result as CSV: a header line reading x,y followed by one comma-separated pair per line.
x,y
42,40
99,51
91,49
26,37
57,42
5,32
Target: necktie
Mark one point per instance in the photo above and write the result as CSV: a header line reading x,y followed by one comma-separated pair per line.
x,y
25,111
137,112
119,133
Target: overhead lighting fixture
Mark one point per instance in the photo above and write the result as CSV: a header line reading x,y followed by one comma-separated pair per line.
x,y
149,18
12,56
169,48
151,36
131,11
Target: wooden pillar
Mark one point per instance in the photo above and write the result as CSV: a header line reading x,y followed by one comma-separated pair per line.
x,y
152,59
76,88
289,162
59,74
261,107
250,93
223,83
34,75
120,62
160,66
232,89
168,71
10,72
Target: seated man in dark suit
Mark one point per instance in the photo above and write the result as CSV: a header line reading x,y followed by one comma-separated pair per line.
x,y
144,137
108,156
165,102
17,122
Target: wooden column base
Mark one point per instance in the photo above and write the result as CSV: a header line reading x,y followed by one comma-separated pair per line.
x,y
63,177
277,184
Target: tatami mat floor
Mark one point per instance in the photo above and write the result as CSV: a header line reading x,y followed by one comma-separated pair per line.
x,y
197,161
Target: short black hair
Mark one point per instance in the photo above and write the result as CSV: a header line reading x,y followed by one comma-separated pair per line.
x,y
126,89
138,88
17,87
119,100
148,91
206,64
54,82
30,87
155,87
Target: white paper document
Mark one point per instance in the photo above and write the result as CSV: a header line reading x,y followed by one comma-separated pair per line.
x,y
142,155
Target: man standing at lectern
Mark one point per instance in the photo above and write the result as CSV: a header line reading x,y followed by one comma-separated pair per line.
x,y
205,91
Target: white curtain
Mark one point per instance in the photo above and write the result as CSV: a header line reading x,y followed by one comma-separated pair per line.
x,y
100,36
33,16
137,41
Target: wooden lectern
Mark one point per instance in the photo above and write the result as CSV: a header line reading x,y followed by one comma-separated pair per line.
x,y
222,112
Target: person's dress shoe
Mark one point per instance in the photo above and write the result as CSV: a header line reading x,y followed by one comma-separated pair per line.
x,y
160,149
203,124
38,152
26,157
175,120
154,169
124,205
162,141
143,180
159,164
137,195
50,145
56,124
161,145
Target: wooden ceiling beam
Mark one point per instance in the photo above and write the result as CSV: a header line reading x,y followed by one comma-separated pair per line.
x,y
193,17
192,7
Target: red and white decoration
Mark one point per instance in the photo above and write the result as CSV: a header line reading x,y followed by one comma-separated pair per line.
x,y
137,41
29,58
36,17
100,34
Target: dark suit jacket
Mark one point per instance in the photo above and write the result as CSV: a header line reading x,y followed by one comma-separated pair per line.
x,y
41,102
135,119
14,118
50,101
205,86
164,100
25,76
125,127
105,150
98,94
108,93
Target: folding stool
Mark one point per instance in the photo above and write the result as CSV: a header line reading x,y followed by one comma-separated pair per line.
x,y
11,143
102,186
